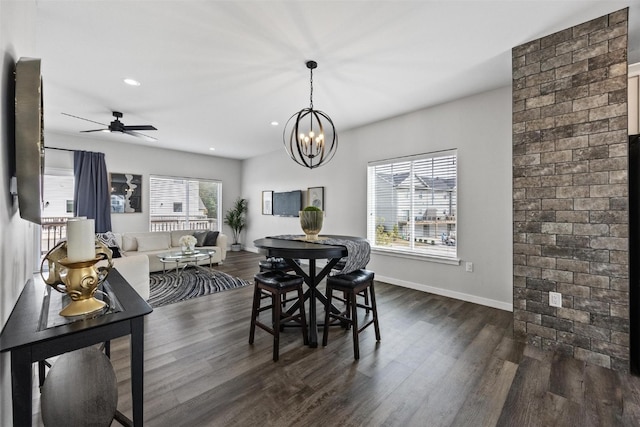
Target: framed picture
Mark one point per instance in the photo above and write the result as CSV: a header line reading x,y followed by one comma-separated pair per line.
x,y
126,193
315,197
267,203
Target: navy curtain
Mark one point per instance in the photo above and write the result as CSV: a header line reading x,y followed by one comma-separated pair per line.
x,y
91,190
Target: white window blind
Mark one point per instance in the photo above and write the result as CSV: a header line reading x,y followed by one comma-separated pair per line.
x,y
412,204
184,203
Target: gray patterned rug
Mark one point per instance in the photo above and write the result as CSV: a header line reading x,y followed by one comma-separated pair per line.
x,y
168,288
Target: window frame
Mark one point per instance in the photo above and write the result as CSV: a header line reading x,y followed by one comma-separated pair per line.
x,y
448,255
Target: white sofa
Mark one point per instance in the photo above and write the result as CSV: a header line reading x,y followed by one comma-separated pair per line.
x,y
154,243
135,270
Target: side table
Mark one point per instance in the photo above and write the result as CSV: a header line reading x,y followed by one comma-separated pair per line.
x,y
28,341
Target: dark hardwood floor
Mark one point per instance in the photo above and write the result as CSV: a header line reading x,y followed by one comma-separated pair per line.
x,y
441,362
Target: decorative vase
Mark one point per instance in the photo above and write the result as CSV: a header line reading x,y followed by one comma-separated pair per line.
x,y
311,223
189,248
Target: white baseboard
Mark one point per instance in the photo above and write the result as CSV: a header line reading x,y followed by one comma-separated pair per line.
x,y
433,290
447,293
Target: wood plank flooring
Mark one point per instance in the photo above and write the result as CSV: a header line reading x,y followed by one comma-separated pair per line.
x,y
441,362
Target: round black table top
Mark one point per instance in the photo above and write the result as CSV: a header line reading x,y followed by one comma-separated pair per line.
x,y
301,249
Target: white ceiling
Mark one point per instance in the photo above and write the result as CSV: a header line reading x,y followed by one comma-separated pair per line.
x,y
217,73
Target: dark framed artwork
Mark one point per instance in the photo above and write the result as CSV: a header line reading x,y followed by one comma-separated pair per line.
x,y
126,193
315,197
267,203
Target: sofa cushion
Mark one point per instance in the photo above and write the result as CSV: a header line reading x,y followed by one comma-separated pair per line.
x,y
200,237
153,242
129,242
177,234
211,239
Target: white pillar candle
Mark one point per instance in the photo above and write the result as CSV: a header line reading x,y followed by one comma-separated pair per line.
x,y
81,244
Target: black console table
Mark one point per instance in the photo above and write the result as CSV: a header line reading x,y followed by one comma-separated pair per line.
x,y
29,341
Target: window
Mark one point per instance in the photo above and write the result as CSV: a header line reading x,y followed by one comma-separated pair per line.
x,y
58,195
184,203
412,205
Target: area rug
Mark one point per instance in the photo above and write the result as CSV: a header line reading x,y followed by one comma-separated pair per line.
x,y
171,287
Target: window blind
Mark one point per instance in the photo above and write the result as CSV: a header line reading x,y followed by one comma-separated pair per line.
x,y
412,204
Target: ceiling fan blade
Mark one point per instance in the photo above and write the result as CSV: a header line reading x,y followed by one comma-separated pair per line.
x,y
95,130
82,118
140,135
139,127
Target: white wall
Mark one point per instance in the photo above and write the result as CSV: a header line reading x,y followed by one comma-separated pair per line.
x,y
130,158
479,127
19,238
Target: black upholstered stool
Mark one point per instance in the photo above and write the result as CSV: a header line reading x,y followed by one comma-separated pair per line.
x,y
274,264
365,292
277,284
351,284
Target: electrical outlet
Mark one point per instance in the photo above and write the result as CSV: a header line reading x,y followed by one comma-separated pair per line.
x,y
469,267
555,299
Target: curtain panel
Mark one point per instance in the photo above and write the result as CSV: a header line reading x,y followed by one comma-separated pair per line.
x,y
91,190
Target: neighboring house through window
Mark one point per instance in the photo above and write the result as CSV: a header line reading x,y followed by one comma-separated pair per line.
x,y
412,205
184,203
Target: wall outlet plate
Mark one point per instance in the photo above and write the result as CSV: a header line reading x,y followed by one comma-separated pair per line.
x,y
469,267
555,299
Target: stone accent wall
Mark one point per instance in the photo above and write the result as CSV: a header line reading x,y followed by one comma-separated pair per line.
x,y
570,193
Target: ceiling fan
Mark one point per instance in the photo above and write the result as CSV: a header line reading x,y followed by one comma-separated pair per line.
x,y
117,126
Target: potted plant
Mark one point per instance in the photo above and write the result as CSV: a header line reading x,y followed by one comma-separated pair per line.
x,y
236,219
311,219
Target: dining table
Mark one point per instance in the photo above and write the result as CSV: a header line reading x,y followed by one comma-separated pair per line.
x,y
293,249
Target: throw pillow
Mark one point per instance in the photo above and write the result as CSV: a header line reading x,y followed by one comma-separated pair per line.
x,y
200,237
212,238
107,238
115,252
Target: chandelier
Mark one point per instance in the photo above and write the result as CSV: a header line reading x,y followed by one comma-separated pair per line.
x,y
310,137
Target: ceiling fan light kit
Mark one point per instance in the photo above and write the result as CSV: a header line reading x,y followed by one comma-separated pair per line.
x,y
310,136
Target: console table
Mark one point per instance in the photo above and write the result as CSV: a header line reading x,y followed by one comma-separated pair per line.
x,y
29,342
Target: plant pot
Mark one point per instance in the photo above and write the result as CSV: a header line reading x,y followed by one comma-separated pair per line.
x,y
311,223
236,247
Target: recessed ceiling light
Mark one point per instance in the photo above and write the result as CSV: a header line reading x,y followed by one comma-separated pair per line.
x,y
131,82
212,149
274,123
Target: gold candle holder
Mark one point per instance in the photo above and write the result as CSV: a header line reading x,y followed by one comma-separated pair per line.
x,y
78,279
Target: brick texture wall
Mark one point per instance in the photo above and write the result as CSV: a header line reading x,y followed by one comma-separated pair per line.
x,y
570,194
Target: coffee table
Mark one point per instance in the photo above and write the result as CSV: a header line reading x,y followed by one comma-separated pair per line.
x,y
184,259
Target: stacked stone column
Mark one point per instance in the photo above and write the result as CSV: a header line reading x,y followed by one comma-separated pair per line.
x,y
570,191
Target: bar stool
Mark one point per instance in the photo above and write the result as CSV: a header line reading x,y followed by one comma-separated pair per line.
x,y
351,284
365,292
274,264
277,284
